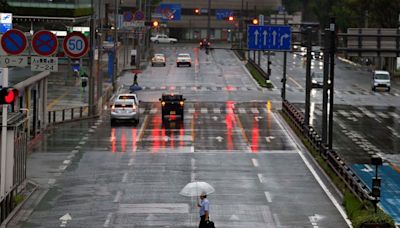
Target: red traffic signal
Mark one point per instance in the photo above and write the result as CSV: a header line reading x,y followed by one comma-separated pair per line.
x,y
155,24
231,18
197,11
254,21
8,95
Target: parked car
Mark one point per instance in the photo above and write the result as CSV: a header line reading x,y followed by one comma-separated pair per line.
x,y
317,79
172,105
316,52
158,59
163,39
380,78
183,59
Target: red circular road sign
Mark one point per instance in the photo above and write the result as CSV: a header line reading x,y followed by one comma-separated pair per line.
x,y
44,43
75,45
14,42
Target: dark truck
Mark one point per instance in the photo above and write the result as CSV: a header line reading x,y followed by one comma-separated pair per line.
x,y
172,105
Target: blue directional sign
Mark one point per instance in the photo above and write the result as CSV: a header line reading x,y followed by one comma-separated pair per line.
x,y
269,38
222,14
169,12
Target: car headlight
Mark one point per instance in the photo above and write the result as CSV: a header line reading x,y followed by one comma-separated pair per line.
x,y
314,81
375,83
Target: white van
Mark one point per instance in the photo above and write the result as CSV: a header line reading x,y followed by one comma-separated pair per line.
x,y
380,78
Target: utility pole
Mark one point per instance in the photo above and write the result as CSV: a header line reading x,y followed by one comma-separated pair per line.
x,y
325,88
93,76
283,93
209,20
308,78
115,43
332,29
99,53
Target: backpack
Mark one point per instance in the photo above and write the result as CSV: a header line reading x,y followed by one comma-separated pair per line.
x,y
210,224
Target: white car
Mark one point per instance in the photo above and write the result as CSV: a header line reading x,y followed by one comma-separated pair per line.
x,y
381,78
125,107
158,59
183,59
163,39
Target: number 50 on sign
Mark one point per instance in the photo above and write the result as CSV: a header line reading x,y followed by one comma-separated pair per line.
x,y
75,45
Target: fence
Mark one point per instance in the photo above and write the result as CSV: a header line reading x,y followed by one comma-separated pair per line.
x,y
331,157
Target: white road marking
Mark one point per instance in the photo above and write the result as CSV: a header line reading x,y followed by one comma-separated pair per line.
x,y
131,162
66,162
242,111
82,142
117,197
124,178
193,167
108,219
315,174
260,177
192,149
277,221
62,167
357,114
71,156
268,196
51,181
254,111
217,110
204,110
141,110
383,115
191,110
343,113
255,162
395,115
153,111
142,128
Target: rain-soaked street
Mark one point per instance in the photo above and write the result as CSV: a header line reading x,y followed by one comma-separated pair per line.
x,y
232,137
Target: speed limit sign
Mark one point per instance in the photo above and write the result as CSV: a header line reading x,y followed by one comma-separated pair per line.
x,y
75,45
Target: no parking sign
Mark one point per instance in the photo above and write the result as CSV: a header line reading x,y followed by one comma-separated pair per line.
x,y
75,45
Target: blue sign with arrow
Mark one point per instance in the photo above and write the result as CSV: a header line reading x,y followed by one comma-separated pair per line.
x,y
269,38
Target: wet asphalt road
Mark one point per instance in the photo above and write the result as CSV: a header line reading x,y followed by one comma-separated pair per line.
x,y
130,175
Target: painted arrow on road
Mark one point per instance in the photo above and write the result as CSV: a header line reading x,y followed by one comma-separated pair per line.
x,y
219,138
64,220
268,138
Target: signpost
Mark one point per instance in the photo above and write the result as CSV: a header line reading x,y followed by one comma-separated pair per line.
x,y
14,42
44,63
75,45
269,38
14,61
5,22
44,43
139,15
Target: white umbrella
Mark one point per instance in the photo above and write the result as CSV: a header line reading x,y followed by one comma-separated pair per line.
x,y
196,188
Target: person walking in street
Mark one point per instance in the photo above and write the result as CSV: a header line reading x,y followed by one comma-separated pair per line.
x,y
204,206
135,80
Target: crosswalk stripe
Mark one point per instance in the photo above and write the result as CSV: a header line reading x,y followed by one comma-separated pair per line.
x,y
343,113
383,115
217,110
191,110
242,110
254,111
153,111
204,110
395,115
357,114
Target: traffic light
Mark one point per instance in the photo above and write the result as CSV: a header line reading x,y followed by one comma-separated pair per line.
x,y
254,21
8,95
153,24
197,11
231,18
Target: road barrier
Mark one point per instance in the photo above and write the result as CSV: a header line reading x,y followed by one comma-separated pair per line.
x,y
67,114
331,157
258,68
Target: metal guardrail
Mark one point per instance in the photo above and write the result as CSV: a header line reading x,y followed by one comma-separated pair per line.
x,y
331,157
67,114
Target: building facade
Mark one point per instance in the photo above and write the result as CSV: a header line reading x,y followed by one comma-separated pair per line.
x,y
193,23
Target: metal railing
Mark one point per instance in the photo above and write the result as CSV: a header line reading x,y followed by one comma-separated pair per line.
x,y
67,114
331,157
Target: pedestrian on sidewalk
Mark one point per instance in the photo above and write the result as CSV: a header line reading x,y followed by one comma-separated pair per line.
x,y
135,80
204,206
